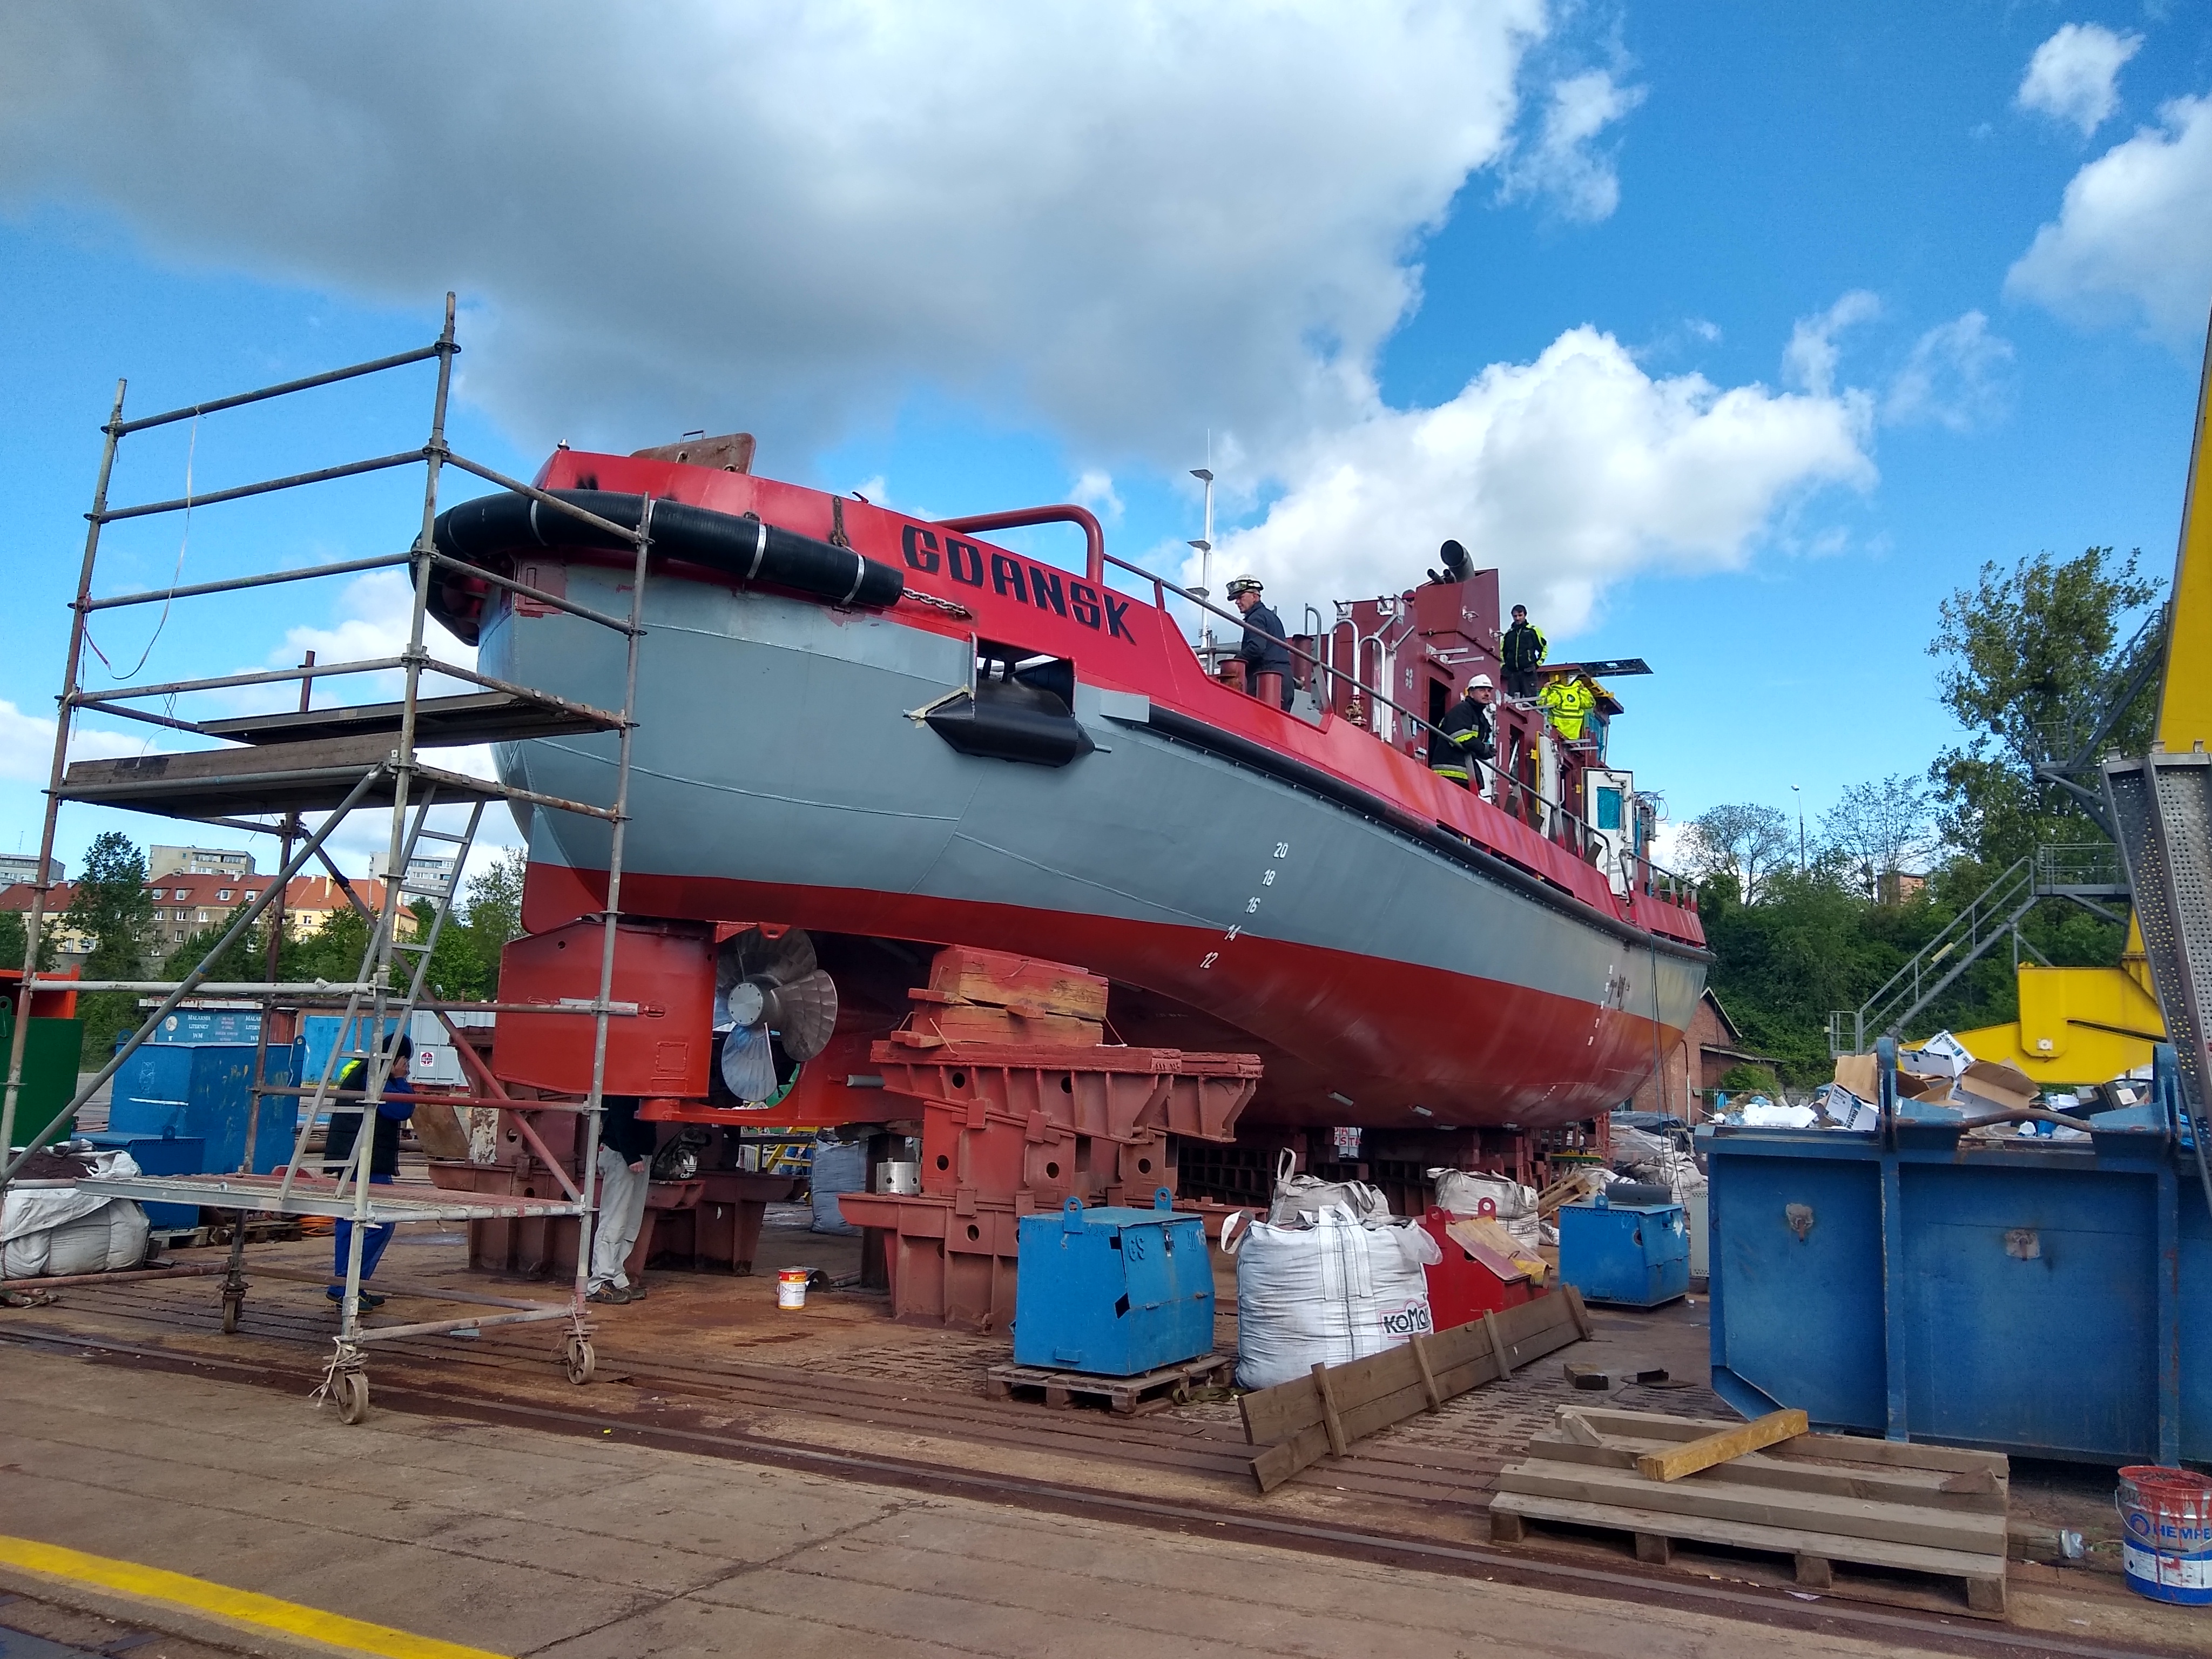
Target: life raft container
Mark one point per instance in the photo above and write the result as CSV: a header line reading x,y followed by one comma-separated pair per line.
x,y
489,530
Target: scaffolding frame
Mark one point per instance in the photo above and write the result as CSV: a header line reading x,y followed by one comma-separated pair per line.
x,y
337,762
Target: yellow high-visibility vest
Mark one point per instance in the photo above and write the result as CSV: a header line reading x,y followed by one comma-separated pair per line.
x,y
1568,702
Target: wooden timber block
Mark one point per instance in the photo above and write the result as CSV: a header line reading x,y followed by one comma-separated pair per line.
x,y
1709,1449
999,978
1653,1549
970,1024
1815,1571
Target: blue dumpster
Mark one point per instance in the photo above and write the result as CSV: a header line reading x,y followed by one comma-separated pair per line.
x,y
193,1079
1635,1255
2020,1294
1115,1290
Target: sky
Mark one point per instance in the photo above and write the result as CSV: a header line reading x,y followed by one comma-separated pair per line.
x,y
1735,336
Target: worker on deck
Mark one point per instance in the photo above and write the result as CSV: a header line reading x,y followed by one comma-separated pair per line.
x,y
1461,741
624,1170
1266,649
1568,698
344,1135
1521,652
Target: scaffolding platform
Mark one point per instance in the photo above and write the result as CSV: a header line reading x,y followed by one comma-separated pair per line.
x,y
440,722
278,777
388,1204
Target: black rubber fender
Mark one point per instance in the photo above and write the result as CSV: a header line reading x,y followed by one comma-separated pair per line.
x,y
490,530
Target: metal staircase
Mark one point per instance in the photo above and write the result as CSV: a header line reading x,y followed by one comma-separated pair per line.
x,y
2085,873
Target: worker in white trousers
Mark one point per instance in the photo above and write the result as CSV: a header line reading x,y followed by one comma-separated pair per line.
x,y
625,1171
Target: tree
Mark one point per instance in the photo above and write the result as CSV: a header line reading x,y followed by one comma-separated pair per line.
x,y
244,960
112,905
2027,656
1877,828
12,935
1744,841
493,915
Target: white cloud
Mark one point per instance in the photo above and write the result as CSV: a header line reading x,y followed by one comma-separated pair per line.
x,y
27,744
1564,162
1095,490
1568,473
796,217
1955,375
875,490
2073,76
1808,361
2133,239
375,612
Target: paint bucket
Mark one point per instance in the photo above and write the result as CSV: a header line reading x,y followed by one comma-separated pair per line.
x,y
2166,1547
791,1287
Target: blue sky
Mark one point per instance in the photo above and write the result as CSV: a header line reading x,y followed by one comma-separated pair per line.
x,y
1737,336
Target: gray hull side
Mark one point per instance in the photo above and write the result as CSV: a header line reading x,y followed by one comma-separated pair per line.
x,y
776,746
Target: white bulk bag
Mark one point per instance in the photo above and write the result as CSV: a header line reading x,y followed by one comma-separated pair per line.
x,y
1512,1205
1302,1197
60,1229
1337,1290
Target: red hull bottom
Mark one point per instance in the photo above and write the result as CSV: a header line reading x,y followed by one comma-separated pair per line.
x,y
1346,1040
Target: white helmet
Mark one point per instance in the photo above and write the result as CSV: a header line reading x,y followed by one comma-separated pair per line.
x,y
1482,680
1244,585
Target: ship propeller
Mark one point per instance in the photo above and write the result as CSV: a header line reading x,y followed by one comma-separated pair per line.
x,y
765,985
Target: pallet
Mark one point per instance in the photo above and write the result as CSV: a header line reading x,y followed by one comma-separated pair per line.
x,y
1300,1422
1820,1500
1152,1390
275,1230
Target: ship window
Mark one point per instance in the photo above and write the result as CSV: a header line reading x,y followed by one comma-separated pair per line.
x,y
1608,809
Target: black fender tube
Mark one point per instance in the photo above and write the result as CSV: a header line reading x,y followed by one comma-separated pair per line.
x,y
492,528
1288,770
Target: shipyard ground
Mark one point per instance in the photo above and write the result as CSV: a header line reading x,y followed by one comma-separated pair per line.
x,y
741,1480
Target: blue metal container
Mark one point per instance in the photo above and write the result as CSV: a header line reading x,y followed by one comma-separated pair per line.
x,y
1116,1291
2020,1294
157,1156
176,1088
1636,1254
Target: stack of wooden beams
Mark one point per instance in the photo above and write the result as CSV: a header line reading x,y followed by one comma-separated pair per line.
x,y
1298,1423
1767,1485
990,996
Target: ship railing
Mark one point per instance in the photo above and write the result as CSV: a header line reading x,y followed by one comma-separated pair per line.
x,y
1560,824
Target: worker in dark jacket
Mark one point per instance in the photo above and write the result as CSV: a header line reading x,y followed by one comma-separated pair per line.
x,y
394,1109
1461,741
625,1161
1521,651
1266,649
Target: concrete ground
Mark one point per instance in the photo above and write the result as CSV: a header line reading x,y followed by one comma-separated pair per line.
x,y
513,1542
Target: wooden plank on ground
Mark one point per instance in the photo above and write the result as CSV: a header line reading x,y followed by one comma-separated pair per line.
x,y
1982,1571
1575,1441
1699,1498
1839,1448
1301,1421
1708,1451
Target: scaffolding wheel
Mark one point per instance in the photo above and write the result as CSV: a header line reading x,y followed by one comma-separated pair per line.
x,y
232,1307
351,1390
578,1360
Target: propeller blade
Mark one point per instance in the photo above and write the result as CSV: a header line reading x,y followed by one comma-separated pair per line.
x,y
805,1014
748,1067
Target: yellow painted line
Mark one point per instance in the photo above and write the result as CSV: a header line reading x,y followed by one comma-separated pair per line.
x,y
236,1606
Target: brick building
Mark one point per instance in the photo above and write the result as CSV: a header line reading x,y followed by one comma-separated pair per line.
x,y
185,904
1686,1080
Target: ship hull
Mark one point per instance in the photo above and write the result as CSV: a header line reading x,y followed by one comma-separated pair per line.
x,y
780,772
